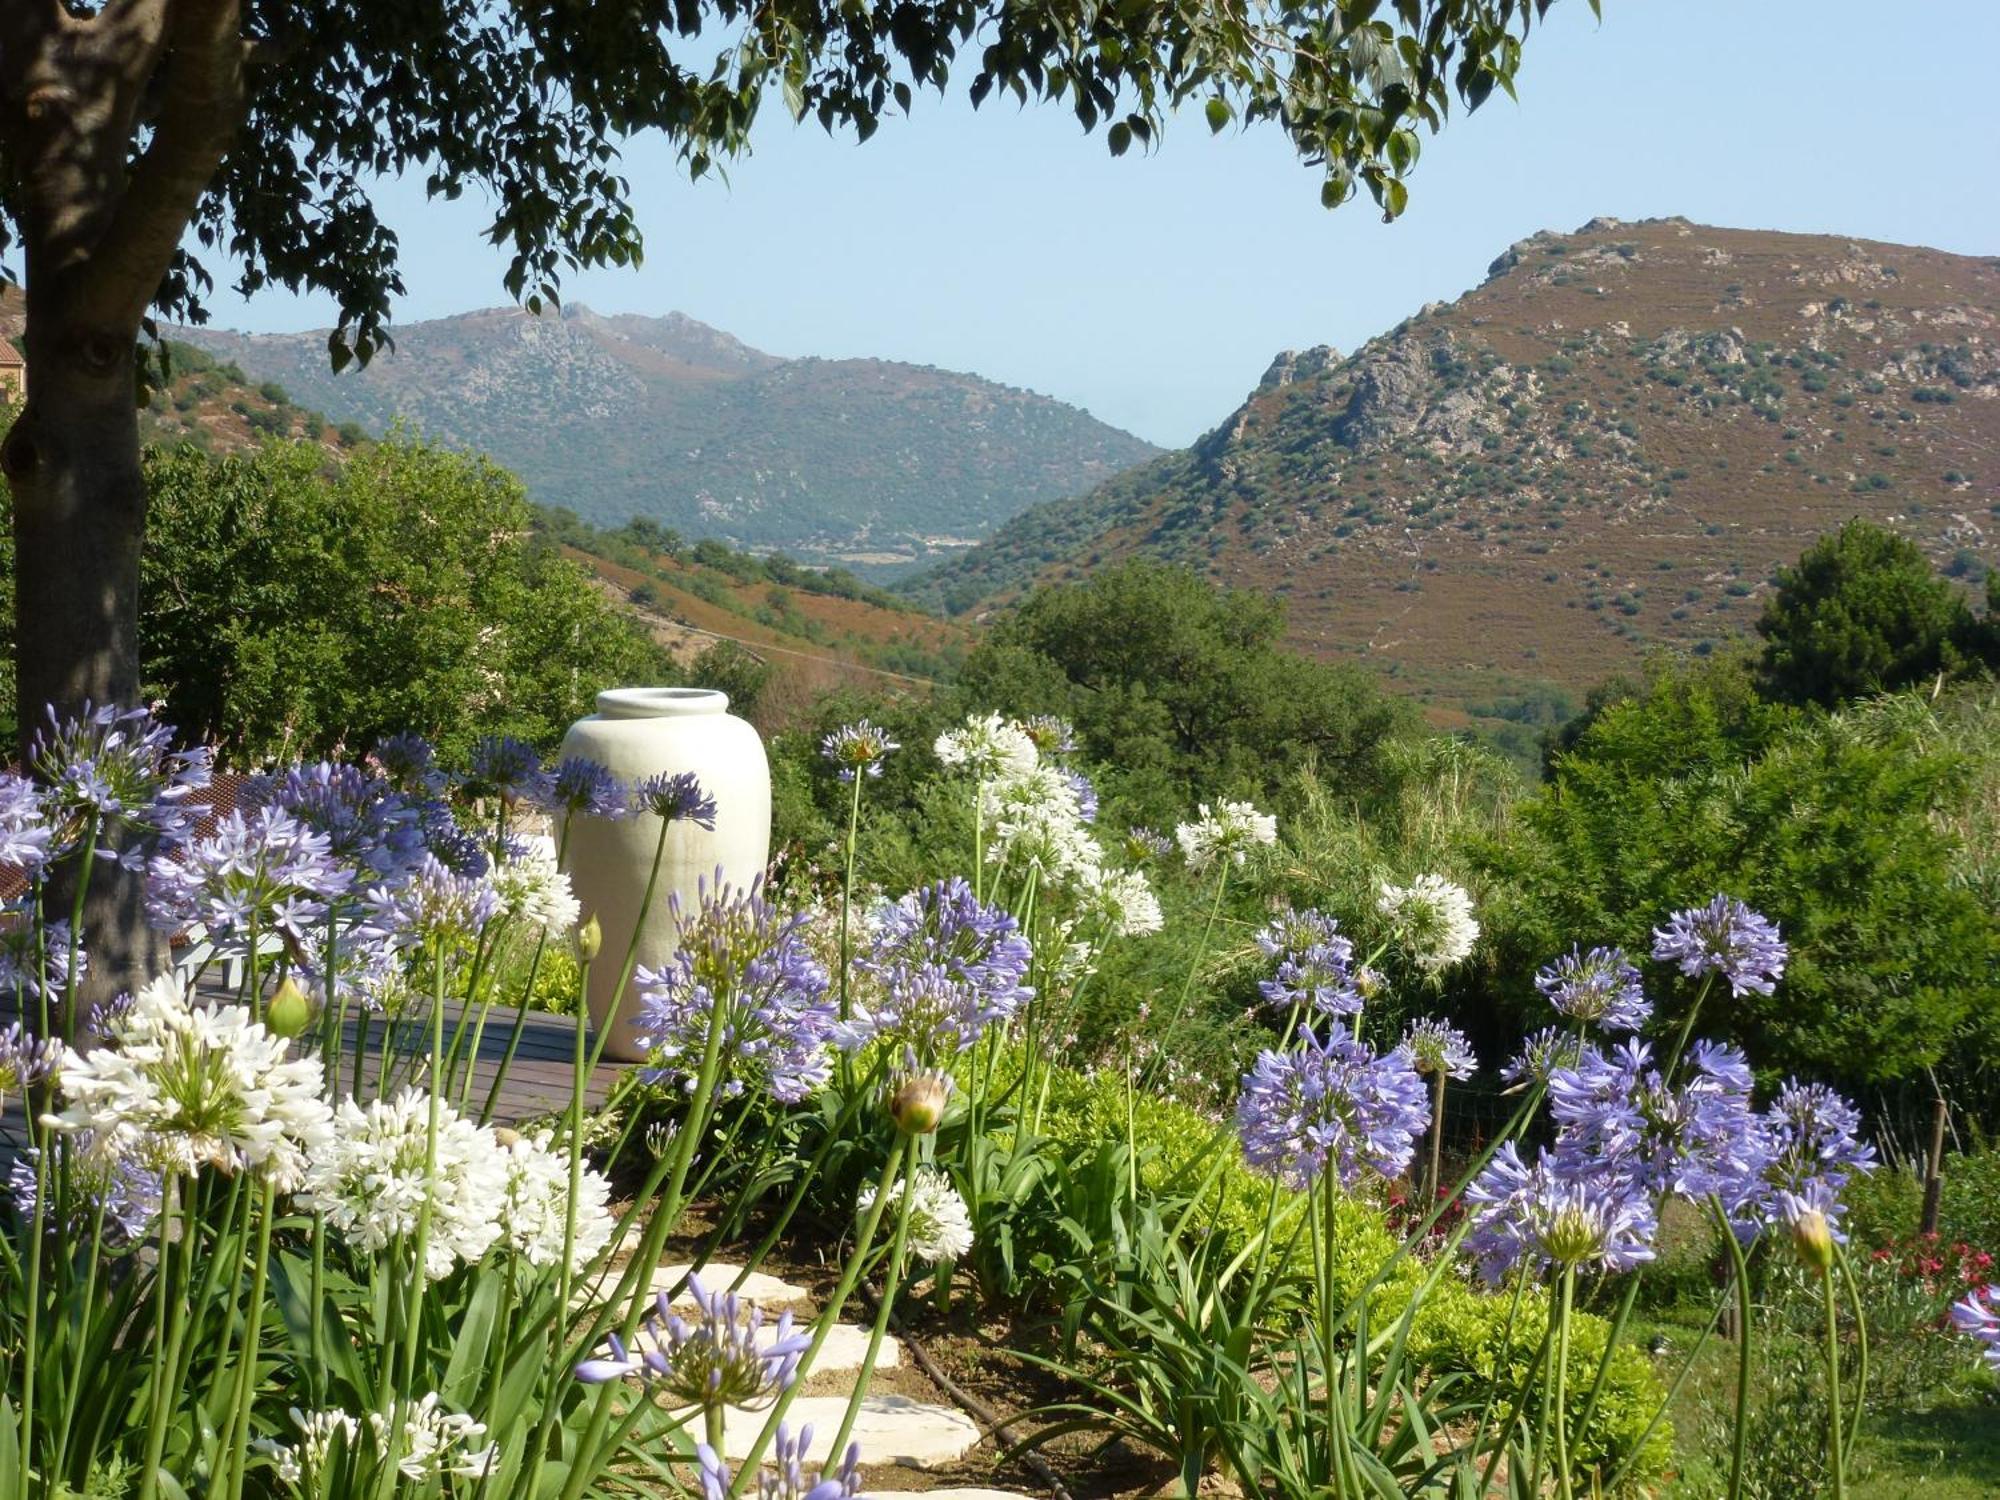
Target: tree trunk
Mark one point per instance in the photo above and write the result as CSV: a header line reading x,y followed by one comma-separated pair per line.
x,y
72,460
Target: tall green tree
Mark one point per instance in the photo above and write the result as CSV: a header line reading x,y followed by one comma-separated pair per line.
x,y
1861,612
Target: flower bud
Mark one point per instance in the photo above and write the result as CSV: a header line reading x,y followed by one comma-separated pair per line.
x,y
917,1101
589,938
506,1138
289,1012
1813,1237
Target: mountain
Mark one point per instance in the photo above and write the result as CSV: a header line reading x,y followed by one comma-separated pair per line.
x,y
862,461
1607,446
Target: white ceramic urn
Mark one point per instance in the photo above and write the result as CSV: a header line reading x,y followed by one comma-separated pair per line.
x,y
639,733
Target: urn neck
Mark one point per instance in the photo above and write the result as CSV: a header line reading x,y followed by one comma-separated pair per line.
x,y
660,703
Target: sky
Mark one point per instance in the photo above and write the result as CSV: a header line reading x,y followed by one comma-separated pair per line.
x,y
1154,289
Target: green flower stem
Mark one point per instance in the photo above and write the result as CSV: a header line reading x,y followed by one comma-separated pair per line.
x,y
167,1311
1506,1343
1739,1435
32,1323
72,980
1200,957
1836,1450
419,1278
1560,1381
904,1148
521,1015
847,894
1687,1027
1632,1454
1437,1139
1515,1406
86,1311
237,1445
631,961
1860,1349
898,1248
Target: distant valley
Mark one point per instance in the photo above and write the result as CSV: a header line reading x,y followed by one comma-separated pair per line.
x,y
1606,448
869,463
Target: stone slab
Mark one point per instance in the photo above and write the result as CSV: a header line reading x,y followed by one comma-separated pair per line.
x,y
959,1494
890,1429
758,1287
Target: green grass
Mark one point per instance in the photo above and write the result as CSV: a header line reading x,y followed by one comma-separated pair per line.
x,y
1946,1449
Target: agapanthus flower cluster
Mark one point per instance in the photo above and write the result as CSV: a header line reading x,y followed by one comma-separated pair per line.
x,y
27,1061
742,957
410,764
116,1186
436,908
582,788
531,890
1315,964
784,1478
1051,736
509,768
1147,845
1978,1317
1121,903
1432,920
1809,1144
1036,822
987,746
858,749
32,951
675,797
1085,792
1541,1054
1331,1102
722,1356
1565,1211
1224,834
946,966
940,1223
436,1441
1601,987
117,767
371,827
373,1178
27,842
1692,1138
264,874
537,1201
181,1087
302,1462
1437,1047
1724,937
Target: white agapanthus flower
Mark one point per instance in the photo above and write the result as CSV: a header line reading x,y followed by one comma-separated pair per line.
x,y
940,1223
437,1442
370,1180
531,890
537,1199
300,1463
987,746
1229,830
1121,901
1035,821
1433,921
180,1087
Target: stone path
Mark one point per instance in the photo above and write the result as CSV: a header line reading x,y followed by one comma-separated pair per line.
x,y
890,1429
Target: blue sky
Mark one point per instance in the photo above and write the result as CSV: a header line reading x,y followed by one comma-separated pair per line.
x,y
1154,290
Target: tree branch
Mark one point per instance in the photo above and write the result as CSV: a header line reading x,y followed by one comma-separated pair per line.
x,y
201,108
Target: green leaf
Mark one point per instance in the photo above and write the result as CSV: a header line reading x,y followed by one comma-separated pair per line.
x,y
1219,113
1120,138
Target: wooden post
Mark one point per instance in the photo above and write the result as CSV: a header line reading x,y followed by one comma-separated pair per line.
x,y
1934,1170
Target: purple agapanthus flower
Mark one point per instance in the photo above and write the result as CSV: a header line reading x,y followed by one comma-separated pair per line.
x,y
410,764
1086,795
124,1187
1434,1046
1811,1147
1695,1138
370,826
1050,735
452,845
1724,937
1541,1054
740,955
1299,930
784,1477
119,767
509,768
1320,978
1978,1317
723,1356
580,787
1601,986
1147,845
1565,1211
26,1060
27,842
30,950
678,797
436,908
265,873
1330,1102
858,749
946,966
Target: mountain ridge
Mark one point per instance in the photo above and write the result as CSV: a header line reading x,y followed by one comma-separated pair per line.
x,y
1635,421
621,415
